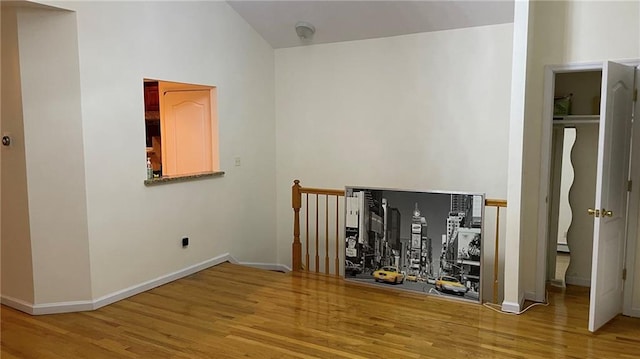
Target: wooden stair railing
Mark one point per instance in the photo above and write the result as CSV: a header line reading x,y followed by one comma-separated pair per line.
x,y
297,193
497,203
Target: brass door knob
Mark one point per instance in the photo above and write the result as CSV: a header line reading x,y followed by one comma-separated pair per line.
x,y
593,212
606,213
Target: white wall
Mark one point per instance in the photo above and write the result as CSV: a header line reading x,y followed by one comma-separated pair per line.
x,y
135,231
426,111
565,32
55,162
17,272
346,113
522,34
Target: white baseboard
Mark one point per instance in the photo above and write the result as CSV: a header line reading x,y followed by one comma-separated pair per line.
x,y
143,287
18,304
267,266
633,312
85,305
579,281
62,307
47,308
512,307
79,306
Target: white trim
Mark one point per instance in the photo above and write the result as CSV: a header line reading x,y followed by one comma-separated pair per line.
x,y
545,155
545,181
511,307
79,306
633,312
522,30
62,307
579,281
545,167
575,67
145,286
628,62
633,212
267,266
18,304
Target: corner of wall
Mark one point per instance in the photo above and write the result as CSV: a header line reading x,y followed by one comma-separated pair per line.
x,y
49,57
16,247
513,291
95,303
513,307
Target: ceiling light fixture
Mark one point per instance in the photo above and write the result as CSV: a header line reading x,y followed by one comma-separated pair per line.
x,y
305,30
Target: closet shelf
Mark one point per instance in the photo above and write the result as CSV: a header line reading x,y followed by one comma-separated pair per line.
x,y
575,119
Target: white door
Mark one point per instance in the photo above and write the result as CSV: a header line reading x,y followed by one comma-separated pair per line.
x,y
187,135
611,194
629,307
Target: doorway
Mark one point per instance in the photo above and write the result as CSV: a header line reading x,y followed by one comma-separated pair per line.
x,y
606,224
574,146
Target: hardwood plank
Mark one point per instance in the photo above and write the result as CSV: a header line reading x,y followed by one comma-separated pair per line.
x,y
231,311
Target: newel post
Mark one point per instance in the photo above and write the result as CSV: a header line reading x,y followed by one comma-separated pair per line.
x,y
296,203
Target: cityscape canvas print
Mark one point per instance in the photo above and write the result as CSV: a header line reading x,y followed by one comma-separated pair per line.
x,y
427,242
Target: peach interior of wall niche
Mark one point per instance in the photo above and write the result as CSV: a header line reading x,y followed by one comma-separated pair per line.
x,y
180,127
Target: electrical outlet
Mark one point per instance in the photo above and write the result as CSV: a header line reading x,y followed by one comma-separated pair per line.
x,y
185,242
237,161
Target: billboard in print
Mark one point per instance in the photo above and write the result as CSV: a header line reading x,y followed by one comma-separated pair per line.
x,y
429,242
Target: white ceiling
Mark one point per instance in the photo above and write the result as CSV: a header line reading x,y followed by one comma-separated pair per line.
x,y
360,19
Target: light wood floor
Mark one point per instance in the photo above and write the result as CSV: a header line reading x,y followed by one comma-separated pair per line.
x,y
230,311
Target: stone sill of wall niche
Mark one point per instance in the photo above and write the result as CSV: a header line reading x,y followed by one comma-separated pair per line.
x,y
182,178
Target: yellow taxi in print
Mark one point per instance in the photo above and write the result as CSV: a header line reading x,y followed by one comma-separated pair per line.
x,y
412,278
450,284
388,274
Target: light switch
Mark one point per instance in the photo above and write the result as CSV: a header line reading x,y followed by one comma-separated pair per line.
x,y
237,161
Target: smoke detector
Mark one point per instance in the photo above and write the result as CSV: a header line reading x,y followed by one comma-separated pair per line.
x,y
305,30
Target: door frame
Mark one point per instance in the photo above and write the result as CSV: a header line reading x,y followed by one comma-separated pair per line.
x,y
550,72
633,211
545,184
